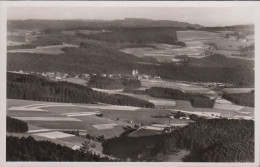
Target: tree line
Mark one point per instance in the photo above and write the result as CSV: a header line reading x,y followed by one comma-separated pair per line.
x,y
32,87
211,140
244,99
137,36
197,100
113,83
99,59
15,125
28,149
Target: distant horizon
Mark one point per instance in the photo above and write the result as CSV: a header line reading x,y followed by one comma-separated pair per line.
x,y
125,19
208,17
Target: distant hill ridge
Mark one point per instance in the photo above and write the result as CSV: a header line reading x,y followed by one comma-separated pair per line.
x,y
69,24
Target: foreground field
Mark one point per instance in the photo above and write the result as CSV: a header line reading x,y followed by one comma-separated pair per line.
x,y
52,121
80,117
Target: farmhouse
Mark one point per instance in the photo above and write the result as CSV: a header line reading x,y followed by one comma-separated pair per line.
x,y
76,147
185,117
135,73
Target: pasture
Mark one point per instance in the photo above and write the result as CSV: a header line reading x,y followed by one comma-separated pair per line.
x,y
185,87
54,135
232,107
143,116
104,126
195,35
163,102
67,116
64,116
237,90
51,49
56,119
197,42
185,105
70,117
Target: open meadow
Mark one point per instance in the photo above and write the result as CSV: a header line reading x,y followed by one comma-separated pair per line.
x,y
52,49
197,43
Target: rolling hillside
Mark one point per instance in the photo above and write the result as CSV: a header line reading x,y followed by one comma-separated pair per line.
x,y
81,24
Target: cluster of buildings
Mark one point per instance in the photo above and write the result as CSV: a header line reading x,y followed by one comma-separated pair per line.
x,y
135,74
54,75
61,76
216,85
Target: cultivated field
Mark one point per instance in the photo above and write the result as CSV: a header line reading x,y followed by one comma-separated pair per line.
x,y
163,102
104,126
195,35
224,112
197,42
64,116
54,135
238,90
83,116
48,119
52,49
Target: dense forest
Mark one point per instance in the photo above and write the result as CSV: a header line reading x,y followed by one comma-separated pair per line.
x,y
101,59
15,125
243,99
32,87
209,140
89,58
212,140
197,100
236,76
218,60
130,148
138,36
113,83
28,149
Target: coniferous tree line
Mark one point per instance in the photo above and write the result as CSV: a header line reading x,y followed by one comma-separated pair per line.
x,y
125,147
15,125
28,149
94,58
32,87
212,140
244,99
113,83
197,100
137,36
209,140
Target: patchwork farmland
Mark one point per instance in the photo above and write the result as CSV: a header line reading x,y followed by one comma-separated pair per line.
x,y
129,90
197,43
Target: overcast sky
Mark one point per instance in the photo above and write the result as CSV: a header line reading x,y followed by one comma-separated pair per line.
x,y
196,15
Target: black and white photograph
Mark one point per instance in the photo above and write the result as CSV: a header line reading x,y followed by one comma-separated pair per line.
x,y
109,83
